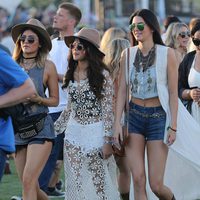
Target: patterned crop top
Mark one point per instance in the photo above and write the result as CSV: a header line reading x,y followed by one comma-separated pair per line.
x,y
85,108
143,75
143,84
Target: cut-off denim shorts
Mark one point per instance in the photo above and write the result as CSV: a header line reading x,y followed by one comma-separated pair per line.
x,y
147,121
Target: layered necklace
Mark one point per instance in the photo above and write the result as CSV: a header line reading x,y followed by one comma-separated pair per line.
x,y
143,63
28,63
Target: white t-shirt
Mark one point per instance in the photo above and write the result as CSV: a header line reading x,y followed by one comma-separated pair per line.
x,y
58,55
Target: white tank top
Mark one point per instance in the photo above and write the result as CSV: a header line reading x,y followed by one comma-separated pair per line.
x,y
194,77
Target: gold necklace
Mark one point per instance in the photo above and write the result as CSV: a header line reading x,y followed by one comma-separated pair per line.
x,y
28,64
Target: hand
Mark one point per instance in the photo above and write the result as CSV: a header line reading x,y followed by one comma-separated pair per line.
x,y
118,134
37,99
107,151
195,94
171,137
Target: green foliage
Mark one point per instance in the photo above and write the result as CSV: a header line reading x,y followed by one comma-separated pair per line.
x,y
43,3
39,3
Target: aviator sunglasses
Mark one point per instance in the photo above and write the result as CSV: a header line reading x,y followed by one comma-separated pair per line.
x,y
196,41
76,46
184,34
140,26
30,39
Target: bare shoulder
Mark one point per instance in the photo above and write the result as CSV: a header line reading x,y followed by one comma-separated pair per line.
x,y
172,59
49,65
171,52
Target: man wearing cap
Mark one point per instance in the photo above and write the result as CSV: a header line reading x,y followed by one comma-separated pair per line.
x,y
66,19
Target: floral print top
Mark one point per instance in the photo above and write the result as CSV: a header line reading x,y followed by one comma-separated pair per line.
x,y
85,108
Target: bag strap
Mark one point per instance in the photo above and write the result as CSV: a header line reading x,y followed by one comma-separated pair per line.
x,y
127,88
128,79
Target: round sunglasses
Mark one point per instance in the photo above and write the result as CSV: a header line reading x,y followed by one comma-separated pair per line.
x,y
77,46
30,39
196,41
140,26
184,34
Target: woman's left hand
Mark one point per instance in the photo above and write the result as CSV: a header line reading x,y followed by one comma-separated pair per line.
x,y
37,99
171,137
107,151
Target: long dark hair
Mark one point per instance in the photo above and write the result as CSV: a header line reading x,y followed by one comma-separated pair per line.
x,y
152,21
94,70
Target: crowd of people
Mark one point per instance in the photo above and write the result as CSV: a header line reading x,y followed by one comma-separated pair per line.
x,y
120,110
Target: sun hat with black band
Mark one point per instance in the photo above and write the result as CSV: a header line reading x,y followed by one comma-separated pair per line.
x,y
36,26
88,34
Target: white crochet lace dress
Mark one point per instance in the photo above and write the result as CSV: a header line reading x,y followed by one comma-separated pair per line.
x,y
86,121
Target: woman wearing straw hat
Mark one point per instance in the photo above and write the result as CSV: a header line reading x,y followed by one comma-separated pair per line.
x,y
87,122
32,47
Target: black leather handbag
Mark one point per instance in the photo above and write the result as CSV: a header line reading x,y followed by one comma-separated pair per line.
x,y
25,124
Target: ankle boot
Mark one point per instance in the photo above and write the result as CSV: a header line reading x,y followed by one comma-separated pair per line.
x,y
173,198
125,196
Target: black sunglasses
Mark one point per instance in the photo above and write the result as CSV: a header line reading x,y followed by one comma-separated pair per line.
x,y
140,26
78,46
30,39
196,41
184,34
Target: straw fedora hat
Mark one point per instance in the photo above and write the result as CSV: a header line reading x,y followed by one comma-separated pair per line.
x,y
88,34
36,26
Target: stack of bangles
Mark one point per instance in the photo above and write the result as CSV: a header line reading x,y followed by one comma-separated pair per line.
x,y
170,128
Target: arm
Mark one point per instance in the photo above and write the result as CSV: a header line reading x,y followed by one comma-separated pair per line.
x,y
172,74
61,123
18,95
107,103
50,79
183,78
185,92
121,99
107,114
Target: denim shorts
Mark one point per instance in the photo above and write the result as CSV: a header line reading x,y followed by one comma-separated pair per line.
x,y
147,121
34,141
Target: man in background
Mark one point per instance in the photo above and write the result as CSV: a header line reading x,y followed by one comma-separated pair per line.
x,y
65,21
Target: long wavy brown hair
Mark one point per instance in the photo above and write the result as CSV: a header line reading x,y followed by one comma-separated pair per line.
x,y
94,70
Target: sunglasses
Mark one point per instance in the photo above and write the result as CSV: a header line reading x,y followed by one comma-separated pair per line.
x,y
140,26
184,34
78,46
196,41
30,39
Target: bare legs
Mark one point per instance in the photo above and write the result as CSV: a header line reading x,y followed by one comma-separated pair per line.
x,y
29,163
157,155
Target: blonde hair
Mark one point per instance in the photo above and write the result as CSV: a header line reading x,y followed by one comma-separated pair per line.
x,y
109,35
41,55
172,34
113,56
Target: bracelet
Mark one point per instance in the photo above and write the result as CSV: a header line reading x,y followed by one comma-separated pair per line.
x,y
108,142
169,127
